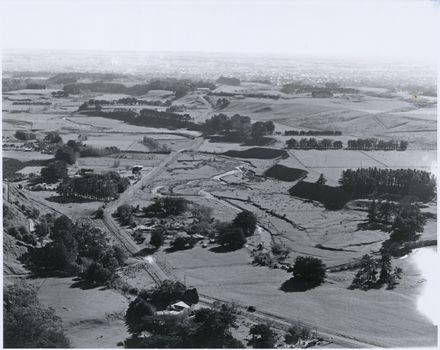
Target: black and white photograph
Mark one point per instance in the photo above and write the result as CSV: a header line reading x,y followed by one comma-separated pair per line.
x,y
219,173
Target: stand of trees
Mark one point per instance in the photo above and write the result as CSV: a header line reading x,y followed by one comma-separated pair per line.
x,y
154,145
105,186
313,143
363,182
179,86
233,235
312,133
375,144
166,206
375,273
54,172
78,249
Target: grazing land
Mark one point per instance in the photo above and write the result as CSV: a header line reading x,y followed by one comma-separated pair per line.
x,y
210,204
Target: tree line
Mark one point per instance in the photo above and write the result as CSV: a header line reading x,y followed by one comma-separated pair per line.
x,y
179,86
105,186
369,144
364,182
359,144
312,133
78,249
313,143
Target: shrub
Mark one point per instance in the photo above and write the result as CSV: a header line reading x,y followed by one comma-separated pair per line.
x,y
264,259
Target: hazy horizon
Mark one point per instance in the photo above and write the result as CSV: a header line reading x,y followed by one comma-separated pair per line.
x,y
403,30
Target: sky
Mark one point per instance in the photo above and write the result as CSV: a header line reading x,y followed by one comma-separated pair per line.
x,y
358,28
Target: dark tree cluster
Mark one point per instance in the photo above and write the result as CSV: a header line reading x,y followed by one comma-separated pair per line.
x,y
308,273
105,186
149,118
312,133
233,235
124,212
300,87
24,135
29,324
154,145
405,227
54,172
53,137
364,182
166,206
79,249
313,143
375,273
370,144
262,336
179,86
66,154
21,233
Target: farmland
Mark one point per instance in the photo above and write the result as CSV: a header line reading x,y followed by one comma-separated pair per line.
x,y
217,181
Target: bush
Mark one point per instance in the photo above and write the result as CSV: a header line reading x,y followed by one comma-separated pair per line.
x,y
264,259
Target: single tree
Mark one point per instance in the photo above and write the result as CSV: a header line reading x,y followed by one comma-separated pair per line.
x,y
247,221
157,238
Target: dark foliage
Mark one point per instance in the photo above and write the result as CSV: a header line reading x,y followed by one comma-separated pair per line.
x,y
27,323
313,143
375,144
94,186
66,154
308,272
157,238
246,221
262,336
231,238
53,137
312,133
400,182
54,172
166,206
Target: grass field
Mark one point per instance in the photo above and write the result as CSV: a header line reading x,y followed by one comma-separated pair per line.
x,y
93,318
